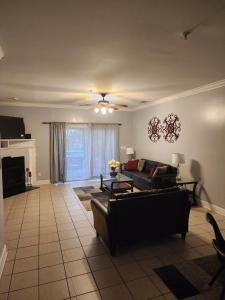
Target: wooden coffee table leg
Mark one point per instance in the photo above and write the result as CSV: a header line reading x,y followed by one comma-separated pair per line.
x,y
101,178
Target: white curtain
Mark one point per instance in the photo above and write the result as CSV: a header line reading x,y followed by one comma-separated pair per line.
x,y
104,147
89,148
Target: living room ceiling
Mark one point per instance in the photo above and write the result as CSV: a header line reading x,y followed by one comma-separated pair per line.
x,y
63,53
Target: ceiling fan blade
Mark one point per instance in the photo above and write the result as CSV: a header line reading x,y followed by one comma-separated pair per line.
x,y
117,105
85,104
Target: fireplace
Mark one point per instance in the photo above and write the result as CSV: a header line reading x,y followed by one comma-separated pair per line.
x,y
13,175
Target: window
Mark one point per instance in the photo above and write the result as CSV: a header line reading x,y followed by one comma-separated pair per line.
x,y
88,149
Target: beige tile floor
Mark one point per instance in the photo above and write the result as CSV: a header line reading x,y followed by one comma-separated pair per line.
x,y
53,253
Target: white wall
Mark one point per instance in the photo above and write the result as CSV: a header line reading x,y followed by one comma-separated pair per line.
x,y
202,139
33,118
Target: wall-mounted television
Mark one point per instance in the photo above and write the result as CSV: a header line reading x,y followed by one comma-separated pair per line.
x,y
12,128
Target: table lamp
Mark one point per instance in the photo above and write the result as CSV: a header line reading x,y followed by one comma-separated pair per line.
x,y
130,152
177,159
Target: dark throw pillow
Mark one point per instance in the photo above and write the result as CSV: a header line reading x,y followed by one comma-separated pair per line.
x,y
160,171
151,171
141,164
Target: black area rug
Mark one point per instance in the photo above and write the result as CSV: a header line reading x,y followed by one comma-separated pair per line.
x,y
176,282
31,188
24,190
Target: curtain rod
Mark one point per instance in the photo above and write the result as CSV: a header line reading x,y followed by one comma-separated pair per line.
x,y
84,123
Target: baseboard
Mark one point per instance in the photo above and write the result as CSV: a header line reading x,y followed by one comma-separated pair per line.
x,y
213,207
41,182
3,259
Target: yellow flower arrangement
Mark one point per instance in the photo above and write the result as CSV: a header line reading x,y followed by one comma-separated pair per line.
x,y
113,164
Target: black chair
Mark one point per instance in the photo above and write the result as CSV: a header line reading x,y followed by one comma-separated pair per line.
x,y
219,245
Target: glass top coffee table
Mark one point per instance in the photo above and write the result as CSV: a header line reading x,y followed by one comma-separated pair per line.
x,y
118,184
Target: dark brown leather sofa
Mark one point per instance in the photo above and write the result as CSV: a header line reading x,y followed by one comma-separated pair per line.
x,y
141,216
144,182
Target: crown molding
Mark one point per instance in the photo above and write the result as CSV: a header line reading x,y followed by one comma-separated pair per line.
x,y
187,93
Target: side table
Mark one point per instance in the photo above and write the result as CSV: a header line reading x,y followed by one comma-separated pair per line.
x,y
188,181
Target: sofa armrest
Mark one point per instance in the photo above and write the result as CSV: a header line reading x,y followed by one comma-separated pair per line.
x,y
186,216
96,205
103,224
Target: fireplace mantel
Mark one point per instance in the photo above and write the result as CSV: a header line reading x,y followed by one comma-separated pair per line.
x,y
21,147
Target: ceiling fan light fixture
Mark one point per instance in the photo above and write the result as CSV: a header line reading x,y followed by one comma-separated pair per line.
x,y
96,109
104,106
103,110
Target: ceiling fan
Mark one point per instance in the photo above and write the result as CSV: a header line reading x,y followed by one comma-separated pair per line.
x,y
105,106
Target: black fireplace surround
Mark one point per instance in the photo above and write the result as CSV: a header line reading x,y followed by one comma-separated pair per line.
x,y
13,175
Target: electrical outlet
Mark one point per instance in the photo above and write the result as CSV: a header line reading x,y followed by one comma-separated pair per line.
x,y
39,174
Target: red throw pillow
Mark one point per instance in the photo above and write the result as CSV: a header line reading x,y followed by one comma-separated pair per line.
x,y
151,171
132,165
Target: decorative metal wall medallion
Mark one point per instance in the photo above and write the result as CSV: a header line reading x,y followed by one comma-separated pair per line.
x,y
171,128
154,129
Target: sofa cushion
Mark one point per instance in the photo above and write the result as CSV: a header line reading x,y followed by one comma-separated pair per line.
x,y
160,171
141,175
141,164
132,165
151,171
149,164
129,173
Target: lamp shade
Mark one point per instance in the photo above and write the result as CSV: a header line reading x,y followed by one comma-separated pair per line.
x,y
129,151
178,158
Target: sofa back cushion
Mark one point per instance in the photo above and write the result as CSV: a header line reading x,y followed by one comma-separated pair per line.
x,y
161,213
151,163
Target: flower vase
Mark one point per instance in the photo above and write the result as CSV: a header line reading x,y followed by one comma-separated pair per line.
x,y
113,173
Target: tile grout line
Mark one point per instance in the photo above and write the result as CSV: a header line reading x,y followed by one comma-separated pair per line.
x,y
14,261
101,269
117,269
109,258
60,247
79,239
